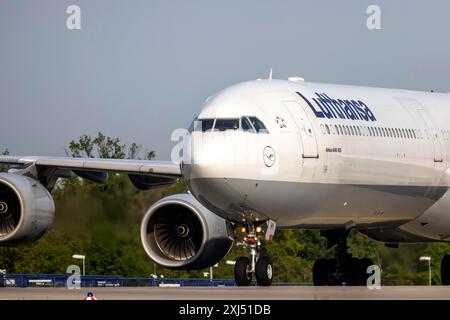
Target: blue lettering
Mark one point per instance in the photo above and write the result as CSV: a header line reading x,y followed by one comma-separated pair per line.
x,y
342,104
367,110
361,112
318,114
324,108
338,108
333,104
349,110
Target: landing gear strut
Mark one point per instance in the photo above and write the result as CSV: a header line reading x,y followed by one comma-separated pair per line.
x,y
245,267
343,269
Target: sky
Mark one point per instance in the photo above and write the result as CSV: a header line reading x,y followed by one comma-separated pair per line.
x,y
137,70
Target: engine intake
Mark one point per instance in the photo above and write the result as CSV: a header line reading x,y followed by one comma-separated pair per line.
x,y
178,232
26,209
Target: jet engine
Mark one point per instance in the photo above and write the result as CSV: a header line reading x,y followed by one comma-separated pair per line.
x,y
26,209
177,232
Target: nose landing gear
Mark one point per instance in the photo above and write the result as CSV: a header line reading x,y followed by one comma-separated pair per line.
x,y
245,267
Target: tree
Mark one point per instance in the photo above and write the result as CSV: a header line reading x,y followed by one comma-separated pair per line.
x,y
106,148
4,168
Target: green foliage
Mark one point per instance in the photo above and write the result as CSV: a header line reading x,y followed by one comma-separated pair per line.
x,y
49,255
105,147
4,168
102,221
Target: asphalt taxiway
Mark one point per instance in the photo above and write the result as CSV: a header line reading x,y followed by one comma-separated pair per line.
x,y
231,293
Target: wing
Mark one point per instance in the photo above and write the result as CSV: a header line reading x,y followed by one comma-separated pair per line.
x,y
144,174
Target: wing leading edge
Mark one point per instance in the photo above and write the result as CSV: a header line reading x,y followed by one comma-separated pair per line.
x,y
160,168
144,174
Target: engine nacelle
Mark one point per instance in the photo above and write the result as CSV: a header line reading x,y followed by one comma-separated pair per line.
x,y
177,232
26,209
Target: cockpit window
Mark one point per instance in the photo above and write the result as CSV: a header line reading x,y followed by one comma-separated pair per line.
x,y
226,124
246,125
258,125
203,125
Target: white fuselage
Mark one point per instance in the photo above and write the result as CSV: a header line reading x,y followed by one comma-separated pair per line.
x,y
332,156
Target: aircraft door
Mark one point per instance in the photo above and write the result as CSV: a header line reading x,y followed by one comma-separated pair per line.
x,y
432,132
304,128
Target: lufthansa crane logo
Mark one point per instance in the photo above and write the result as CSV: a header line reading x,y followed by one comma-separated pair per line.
x,y
269,156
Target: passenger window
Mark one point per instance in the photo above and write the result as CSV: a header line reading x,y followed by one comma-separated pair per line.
x,y
359,130
327,129
337,129
258,125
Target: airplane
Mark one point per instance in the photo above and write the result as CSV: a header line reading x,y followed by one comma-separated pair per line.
x,y
274,154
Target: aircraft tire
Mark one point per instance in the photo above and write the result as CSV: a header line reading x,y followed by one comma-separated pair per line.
x,y
241,276
445,270
264,271
321,270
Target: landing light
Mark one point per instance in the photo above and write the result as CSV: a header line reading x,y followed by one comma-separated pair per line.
x,y
258,229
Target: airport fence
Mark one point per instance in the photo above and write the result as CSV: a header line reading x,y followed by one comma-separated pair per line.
x,y
60,280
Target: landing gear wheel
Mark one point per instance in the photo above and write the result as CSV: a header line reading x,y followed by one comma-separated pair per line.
x,y
364,263
264,271
445,270
321,270
241,274
353,272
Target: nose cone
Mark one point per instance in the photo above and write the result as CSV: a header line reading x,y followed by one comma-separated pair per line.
x,y
207,171
218,175
212,192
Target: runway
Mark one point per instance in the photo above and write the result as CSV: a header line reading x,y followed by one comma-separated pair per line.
x,y
231,293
